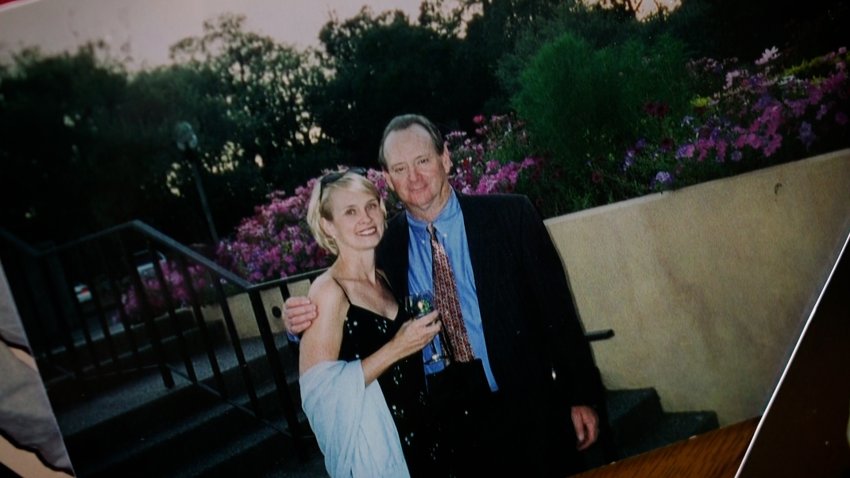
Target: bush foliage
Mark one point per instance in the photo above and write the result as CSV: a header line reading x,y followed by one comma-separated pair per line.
x,y
583,105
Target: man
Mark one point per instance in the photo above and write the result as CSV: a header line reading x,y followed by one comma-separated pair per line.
x,y
530,352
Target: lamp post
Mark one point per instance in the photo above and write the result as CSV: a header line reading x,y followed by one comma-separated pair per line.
x,y
187,143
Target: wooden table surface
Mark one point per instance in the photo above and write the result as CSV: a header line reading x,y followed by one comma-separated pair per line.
x,y
716,454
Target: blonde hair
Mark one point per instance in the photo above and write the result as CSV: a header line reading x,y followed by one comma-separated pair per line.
x,y
320,204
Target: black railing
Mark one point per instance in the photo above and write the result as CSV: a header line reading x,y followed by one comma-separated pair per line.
x,y
94,311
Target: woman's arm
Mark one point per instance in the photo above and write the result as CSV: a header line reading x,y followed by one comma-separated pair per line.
x,y
321,342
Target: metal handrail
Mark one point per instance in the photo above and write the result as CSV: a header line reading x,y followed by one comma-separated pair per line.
x,y
83,355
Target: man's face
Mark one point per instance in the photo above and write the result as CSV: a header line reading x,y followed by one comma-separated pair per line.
x,y
417,172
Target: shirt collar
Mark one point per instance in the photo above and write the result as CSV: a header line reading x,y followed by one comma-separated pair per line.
x,y
449,214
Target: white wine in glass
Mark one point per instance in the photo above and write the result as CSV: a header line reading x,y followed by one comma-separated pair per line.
x,y
417,306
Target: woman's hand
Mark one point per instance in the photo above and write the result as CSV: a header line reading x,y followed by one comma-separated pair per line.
x,y
415,334
411,337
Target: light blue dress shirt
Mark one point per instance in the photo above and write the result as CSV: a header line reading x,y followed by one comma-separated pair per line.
x,y
452,235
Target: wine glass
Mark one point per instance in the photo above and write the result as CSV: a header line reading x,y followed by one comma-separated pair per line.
x,y
419,305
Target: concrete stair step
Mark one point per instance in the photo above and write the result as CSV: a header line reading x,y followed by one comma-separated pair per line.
x,y
672,427
194,434
142,429
136,425
639,423
630,412
259,453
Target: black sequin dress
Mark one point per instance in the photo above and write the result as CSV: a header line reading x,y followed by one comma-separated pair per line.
x,y
403,386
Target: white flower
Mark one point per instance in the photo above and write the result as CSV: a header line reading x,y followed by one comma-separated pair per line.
x,y
769,55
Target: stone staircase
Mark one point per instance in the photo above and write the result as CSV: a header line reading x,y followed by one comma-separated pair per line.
x,y
639,424
131,425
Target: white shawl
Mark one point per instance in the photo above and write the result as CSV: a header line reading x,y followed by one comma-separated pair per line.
x,y
352,423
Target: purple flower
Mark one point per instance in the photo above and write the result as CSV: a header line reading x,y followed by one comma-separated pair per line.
x,y
773,144
798,107
629,160
822,111
806,135
663,179
720,147
685,151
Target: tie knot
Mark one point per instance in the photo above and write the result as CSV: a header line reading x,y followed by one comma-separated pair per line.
x,y
432,231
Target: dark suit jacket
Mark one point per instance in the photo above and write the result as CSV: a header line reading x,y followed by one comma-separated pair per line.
x,y
530,322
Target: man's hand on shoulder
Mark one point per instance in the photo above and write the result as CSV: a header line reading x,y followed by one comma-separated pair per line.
x,y
299,313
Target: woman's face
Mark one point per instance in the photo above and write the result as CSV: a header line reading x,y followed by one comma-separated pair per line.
x,y
357,220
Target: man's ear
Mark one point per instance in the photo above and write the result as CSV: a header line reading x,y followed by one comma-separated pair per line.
x,y
446,159
388,179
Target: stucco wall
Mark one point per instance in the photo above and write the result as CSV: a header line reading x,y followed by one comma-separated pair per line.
x,y
707,287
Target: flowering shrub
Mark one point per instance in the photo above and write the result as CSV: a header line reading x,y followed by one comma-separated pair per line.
x,y
178,290
276,241
491,160
584,104
760,116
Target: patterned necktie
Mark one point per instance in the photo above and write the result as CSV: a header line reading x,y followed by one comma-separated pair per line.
x,y
446,297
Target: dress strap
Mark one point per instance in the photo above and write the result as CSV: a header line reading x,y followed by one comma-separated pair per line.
x,y
386,281
344,292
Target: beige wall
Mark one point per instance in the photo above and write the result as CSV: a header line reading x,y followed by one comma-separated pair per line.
x,y
707,287
242,312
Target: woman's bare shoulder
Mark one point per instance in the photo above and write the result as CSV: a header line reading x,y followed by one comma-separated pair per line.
x,y
325,287
321,341
328,295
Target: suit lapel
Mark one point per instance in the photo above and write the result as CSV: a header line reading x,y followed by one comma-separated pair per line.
x,y
392,255
480,241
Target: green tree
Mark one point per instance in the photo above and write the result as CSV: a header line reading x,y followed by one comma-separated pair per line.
x,y
55,113
157,100
379,66
491,31
599,27
265,86
87,147
728,28
584,105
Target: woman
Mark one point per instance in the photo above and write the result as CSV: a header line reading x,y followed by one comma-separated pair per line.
x,y
362,381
